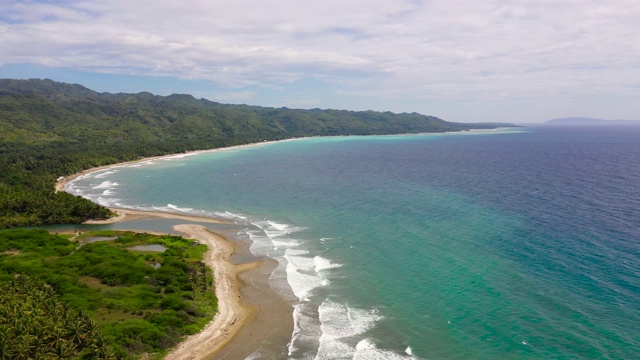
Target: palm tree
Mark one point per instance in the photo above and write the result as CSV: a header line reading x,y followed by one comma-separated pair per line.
x,y
64,350
105,353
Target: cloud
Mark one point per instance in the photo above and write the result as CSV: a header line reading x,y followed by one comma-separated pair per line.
x,y
384,49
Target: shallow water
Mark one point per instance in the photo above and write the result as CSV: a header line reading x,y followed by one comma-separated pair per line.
x,y
149,247
93,239
522,244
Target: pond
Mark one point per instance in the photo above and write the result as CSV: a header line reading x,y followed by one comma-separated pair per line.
x,y
150,247
93,239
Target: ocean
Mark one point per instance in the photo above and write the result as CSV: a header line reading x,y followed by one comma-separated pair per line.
x,y
521,243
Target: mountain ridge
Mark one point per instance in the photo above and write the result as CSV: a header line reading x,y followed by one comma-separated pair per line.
x,y
50,129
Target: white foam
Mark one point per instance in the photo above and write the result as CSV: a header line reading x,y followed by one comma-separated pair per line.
x,y
306,327
367,350
289,243
339,320
174,207
108,202
334,329
108,192
232,216
408,351
100,175
301,273
340,324
273,229
275,225
177,156
106,185
324,264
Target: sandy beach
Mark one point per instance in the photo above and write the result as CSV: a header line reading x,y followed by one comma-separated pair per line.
x,y
65,180
132,214
251,315
232,314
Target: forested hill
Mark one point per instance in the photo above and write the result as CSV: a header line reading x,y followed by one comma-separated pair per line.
x,y
50,111
50,129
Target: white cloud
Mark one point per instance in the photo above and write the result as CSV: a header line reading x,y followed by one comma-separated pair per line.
x,y
497,49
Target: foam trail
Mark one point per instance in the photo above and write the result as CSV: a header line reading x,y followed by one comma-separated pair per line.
x,y
340,324
106,185
323,329
100,175
324,264
367,350
174,207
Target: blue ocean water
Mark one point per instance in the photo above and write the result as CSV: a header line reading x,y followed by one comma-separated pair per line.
x,y
522,244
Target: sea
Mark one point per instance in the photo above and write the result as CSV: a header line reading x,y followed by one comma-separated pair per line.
x,y
515,243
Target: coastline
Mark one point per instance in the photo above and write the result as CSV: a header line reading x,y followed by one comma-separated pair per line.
x,y
124,214
254,312
250,314
232,313
60,185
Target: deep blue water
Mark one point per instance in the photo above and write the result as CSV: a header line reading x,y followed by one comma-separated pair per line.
x,y
523,244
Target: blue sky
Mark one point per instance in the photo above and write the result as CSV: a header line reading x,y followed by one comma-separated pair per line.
x,y
461,60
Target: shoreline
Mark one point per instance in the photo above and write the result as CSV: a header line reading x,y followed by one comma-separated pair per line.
x,y
250,314
60,185
124,214
232,313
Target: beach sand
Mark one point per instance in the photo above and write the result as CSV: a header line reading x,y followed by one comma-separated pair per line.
x,y
132,214
251,315
232,313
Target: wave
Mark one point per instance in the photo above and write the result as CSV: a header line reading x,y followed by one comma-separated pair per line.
x,y
177,208
367,350
106,185
323,329
177,156
324,264
232,216
103,173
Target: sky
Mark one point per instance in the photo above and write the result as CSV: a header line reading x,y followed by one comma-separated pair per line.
x,y
520,61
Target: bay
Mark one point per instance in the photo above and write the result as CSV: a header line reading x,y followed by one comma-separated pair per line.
x,y
520,244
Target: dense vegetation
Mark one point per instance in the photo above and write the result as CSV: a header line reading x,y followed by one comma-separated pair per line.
x,y
101,300
50,129
35,324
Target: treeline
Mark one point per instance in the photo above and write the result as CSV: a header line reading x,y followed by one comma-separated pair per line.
x,y
50,129
101,300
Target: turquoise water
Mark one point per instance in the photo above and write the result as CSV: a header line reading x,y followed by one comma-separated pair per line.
x,y
522,244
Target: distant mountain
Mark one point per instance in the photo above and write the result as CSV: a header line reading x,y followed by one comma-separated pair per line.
x,y
47,111
587,120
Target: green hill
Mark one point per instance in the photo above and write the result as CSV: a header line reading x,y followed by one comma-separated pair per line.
x,y
50,129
